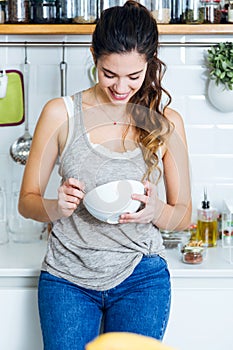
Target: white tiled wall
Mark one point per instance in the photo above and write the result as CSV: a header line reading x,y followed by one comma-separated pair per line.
x,y
209,132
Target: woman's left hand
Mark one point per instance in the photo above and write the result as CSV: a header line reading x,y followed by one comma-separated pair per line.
x,y
148,213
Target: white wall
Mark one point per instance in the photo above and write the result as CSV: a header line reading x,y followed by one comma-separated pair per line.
x,y
209,132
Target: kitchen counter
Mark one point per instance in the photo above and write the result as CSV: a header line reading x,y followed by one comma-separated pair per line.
x,y
24,260
201,309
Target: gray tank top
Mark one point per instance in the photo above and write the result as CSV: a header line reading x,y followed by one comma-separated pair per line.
x,y
82,249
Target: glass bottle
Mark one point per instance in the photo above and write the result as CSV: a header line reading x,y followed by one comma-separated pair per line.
x,y
2,11
3,221
105,4
212,11
230,12
207,226
43,11
176,11
161,10
193,12
18,11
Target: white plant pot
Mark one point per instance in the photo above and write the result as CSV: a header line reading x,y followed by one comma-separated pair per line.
x,y
220,97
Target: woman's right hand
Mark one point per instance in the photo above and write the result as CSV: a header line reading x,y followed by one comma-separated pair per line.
x,y
70,194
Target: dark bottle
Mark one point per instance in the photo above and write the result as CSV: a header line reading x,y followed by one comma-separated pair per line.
x,y
2,11
43,11
176,11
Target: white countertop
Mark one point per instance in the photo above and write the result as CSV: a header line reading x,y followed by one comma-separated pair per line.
x,y
24,260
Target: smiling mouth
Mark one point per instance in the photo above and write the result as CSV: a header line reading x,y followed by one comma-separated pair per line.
x,y
119,97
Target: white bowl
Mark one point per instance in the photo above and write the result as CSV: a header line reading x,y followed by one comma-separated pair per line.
x,y
107,202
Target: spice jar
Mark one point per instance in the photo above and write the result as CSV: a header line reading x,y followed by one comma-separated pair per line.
x,y
192,257
2,11
193,252
43,11
193,13
212,11
18,11
161,10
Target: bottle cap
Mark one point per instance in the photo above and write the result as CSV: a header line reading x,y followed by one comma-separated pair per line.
x,y
205,203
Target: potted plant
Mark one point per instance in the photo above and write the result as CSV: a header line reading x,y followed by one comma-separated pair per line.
x,y
220,64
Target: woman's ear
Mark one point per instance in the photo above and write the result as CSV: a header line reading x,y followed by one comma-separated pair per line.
x,y
93,55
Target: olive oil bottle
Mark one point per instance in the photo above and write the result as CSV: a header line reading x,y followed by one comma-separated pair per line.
x,y
207,227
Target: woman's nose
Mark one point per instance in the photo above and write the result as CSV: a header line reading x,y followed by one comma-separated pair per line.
x,y
121,86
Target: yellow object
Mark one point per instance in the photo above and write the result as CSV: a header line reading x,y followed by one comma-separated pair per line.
x,y
12,105
125,341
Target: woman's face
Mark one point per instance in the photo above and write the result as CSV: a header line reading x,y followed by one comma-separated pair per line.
x,y
121,75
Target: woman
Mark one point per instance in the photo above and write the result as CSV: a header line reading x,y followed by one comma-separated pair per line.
x,y
96,276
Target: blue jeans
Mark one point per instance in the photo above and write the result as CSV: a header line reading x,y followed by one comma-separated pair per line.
x,y
72,316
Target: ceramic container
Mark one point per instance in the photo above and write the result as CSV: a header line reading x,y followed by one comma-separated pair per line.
x,y
107,202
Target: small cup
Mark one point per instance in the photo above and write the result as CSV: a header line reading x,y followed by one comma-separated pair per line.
x,y
3,84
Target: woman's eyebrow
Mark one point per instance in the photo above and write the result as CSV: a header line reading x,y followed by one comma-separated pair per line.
x,y
110,72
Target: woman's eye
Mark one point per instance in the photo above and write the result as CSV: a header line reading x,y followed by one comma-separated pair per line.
x,y
109,76
133,78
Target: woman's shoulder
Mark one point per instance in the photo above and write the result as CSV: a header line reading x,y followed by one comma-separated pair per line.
x,y
54,109
178,124
174,117
53,116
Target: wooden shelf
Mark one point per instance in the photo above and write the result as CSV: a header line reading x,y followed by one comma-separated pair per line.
x,y
76,29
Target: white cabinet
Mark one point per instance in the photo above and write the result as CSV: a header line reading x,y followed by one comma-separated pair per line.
x,y
19,322
19,319
201,314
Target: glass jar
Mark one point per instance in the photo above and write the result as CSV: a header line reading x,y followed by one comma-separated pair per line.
x,y
193,13
230,12
194,252
161,11
105,4
2,11
18,11
86,12
66,10
43,11
212,11
193,257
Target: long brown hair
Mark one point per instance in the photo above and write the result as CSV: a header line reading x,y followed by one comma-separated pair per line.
x,y
133,28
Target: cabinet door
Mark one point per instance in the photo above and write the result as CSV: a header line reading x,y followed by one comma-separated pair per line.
x,y
19,320
201,319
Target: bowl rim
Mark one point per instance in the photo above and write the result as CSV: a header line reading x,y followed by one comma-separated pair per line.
x,y
112,212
